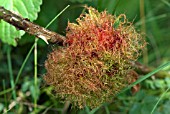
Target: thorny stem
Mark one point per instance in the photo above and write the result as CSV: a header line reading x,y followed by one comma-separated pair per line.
x,y
29,27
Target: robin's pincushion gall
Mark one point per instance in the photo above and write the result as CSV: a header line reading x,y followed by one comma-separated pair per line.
x,y
93,65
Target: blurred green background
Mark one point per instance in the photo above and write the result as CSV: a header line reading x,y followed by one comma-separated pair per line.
x,y
150,17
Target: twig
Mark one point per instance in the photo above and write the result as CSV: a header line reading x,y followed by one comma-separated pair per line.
x,y
29,27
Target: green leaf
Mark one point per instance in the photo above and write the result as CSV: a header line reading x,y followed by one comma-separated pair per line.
x,y
25,8
167,80
136,109
159,83
25,86
140,95
35,91
166,108
150,84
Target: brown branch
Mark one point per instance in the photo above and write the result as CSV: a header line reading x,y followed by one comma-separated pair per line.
x,y
29,27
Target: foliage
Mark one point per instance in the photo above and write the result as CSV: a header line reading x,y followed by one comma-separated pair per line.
x,y
156,33
28,9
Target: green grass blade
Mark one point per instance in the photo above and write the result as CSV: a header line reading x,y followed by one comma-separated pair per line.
x,y
5,97
107,109
146,76
35,72
151,19
5,91
23,64
166,2
56,16
11,72
159,100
